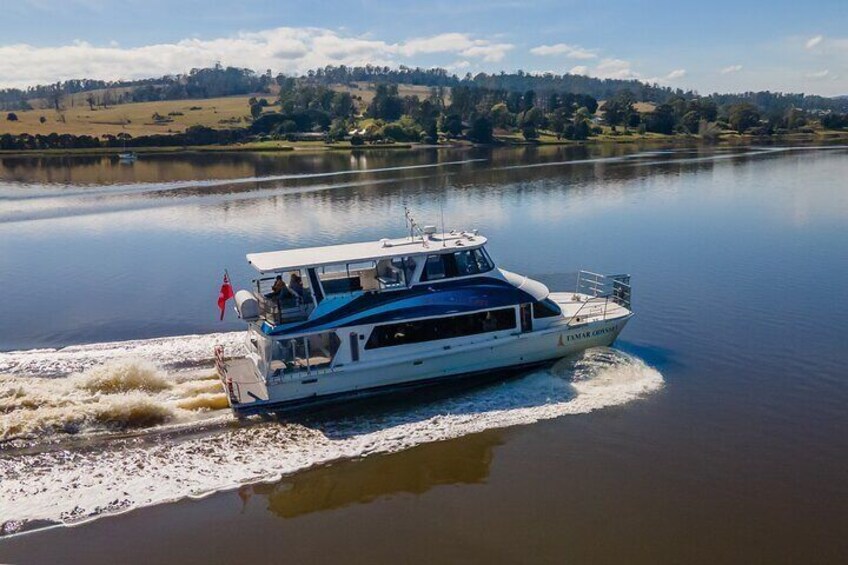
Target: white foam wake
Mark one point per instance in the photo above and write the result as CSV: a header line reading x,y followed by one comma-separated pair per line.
x,y
167,352
68,486
100,388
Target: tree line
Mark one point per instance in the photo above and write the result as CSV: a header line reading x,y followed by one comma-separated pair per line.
x,y
228,81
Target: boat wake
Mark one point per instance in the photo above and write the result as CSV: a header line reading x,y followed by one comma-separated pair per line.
x,y
145,386
116,396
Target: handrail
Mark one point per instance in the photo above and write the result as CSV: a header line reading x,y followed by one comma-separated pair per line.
x,y
221,367
610,288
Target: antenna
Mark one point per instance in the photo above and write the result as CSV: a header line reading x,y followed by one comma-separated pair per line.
x,y
413,226
442,212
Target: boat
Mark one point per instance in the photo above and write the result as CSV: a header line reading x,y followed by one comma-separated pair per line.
x,y
430,307
128,157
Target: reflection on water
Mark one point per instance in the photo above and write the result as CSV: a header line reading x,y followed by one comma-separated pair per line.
x,y
414,471
738,262
163,231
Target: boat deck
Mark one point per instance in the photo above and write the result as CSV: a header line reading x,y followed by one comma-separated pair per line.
x,y
580,309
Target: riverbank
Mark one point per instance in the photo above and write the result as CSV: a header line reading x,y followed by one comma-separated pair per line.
x,y
606,138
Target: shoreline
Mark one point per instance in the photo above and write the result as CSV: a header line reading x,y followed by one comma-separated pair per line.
x,y
312,146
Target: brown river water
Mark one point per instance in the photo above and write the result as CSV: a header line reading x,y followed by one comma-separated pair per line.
x,y
713,431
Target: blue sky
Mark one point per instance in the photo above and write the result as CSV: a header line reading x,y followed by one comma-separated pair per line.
x,y
708,46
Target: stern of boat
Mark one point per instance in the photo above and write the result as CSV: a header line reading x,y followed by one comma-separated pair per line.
x,y
245,389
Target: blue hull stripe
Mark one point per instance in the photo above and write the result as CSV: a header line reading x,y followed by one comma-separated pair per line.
x,y
421,301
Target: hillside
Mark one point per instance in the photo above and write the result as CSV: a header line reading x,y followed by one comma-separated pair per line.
x,y
133,118
136,118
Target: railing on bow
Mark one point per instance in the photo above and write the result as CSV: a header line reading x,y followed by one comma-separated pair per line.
x,y
601,290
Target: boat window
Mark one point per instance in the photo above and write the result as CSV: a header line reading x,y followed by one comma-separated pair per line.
x,y
484,264
311,352
458,264
390,274
322,349
466,264
435,268
348,277
418,331
546,308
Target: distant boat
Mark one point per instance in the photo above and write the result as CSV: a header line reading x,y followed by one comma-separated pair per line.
x,y
128,157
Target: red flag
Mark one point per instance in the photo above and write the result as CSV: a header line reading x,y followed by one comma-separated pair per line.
x,y
225,294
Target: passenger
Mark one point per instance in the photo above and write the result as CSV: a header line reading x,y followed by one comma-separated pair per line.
x,y
296,285
279,289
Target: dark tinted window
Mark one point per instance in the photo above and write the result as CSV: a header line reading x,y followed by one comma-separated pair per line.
x,y
434,268
545,309
458,264
441,328
482,260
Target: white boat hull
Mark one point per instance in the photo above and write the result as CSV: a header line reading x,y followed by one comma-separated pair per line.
x,y
250,394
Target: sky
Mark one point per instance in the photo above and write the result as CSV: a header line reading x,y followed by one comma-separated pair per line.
x,y
715,46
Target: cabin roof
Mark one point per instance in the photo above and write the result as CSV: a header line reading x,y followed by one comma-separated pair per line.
x,y
288,259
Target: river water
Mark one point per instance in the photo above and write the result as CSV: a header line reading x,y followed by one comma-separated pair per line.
x,y
714,430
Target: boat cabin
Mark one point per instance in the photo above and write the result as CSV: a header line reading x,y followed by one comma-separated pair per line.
x,y
321,278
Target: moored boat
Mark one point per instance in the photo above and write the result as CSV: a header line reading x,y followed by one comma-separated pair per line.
x,y
329,322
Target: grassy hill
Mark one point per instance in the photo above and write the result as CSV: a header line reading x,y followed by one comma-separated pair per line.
x,y
135,119
138,118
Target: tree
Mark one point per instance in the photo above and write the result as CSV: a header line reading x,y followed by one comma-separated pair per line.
x,y
617,110
834,121
501,117
743,116
582,121
431,134
255,110
342,105
91,101
452,125
481,129
691,121
386,105
338,129
661,120
529,100
533,118
558,121
529,132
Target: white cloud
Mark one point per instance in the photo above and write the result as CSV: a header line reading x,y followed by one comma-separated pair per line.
x,y
813,41
819,74
731,69
285,49
614,68
458,65
489,52
571,51
676,73
579,70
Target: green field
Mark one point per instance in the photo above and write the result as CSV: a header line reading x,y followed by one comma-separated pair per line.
x,y
135,119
